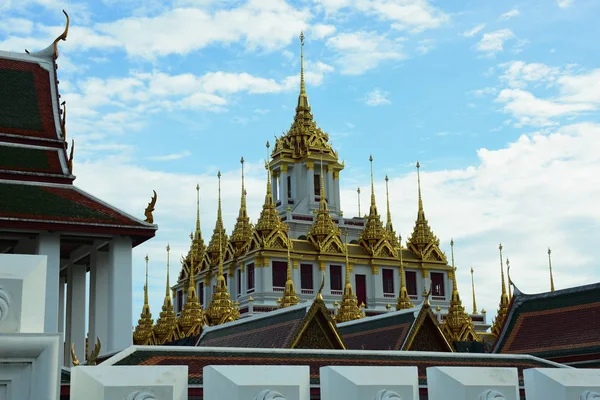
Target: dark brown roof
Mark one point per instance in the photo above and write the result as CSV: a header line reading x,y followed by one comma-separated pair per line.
x,y
551,325
382,332
275,329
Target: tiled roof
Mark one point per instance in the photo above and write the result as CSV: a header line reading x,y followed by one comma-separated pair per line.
x,y
20,202
383,332
26,99
555,324
197,358
270,330
30,159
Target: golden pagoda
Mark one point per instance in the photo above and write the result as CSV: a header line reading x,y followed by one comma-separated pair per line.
x,y
196,259
143,334
403,302
348,310
374,238
166,328
458,325
242,232
423,243
270,231
324,233
473,289
192,317
289,297
504,301
219,236
221,308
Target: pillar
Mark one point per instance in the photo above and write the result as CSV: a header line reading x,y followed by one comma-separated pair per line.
x,y
336,190
119,334
377,283
61,305
267,276
284,185
49,245
76,315
98,296
310,173
329,189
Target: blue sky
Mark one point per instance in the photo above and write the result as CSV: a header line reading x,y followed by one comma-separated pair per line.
x,y
497,100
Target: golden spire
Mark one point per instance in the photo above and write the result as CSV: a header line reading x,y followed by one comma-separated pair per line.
x,y
289,297
374,231
269,219
403,302
302,97
503,307
358,195
192,316
221,308
423,242
388,225
323,227
242,232
219,235
473,289
349,309
508,280
143,331
198,231
550,265
70,160
167,321
458,325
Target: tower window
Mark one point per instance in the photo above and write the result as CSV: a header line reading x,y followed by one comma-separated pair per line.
x,y
179,300
289,187
201,292
437,284
250,277
411,282
239,282
335,277
306,276
317,184
388,281
279,273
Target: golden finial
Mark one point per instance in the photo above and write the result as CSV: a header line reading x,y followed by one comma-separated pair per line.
x,y
63,36
91,359
289,297
70,161
504,300
473,289
319,296
63,120
168,286
508,279
372,187
358,195
387,306
198,232
403,302
242,232
502,271
150,209
143,331
349,309
302,86
146,285
550,265
74,359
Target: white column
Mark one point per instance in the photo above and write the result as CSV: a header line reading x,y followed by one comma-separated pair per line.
x,y
284,186
120,313
267,277
274,189
336,192
377,283
61,305
49,245
98,306
310,192
329,190
76,315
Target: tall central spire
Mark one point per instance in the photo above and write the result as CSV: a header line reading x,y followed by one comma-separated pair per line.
x,y
219,236
473,289
143,331
374,233
550,265
503,307
166,328
269,219
302,97
373,210
389,227
403,302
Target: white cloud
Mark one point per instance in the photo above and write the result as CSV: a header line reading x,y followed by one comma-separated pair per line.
x,y
410,15
530,110
321,31
564,3
581,88
19,26
493,42
171,157
483,92
519,74
510,14
424,46
376,97
362,51
474,31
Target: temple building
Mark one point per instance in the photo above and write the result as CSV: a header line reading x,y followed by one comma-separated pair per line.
x,y
366,267
87,242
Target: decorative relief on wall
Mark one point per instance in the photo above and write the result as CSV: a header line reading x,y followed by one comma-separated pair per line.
x,y
589,395
4,304
385,394
491,395
268,394
140,396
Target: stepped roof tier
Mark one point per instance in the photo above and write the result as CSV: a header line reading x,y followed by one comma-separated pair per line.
x,y
36,162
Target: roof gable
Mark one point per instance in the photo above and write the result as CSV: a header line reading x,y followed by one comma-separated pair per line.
x,y
317,330
553,324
